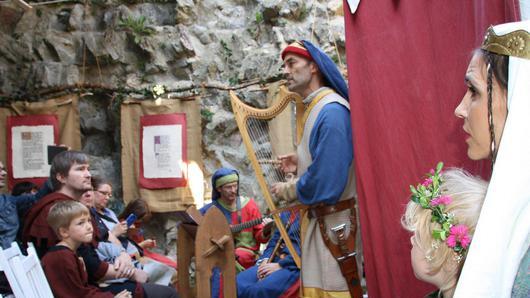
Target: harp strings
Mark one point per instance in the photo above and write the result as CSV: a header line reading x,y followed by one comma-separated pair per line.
x,y
260,139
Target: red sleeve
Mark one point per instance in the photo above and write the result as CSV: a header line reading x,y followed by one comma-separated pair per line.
x,y
101,271
258,229
67,277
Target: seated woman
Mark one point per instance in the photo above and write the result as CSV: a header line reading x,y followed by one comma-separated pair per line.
x,y
116,232
442,214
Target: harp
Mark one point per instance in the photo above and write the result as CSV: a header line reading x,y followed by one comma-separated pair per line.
x,y
254,125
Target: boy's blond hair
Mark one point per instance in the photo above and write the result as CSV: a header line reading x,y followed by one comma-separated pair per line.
x,y
63,213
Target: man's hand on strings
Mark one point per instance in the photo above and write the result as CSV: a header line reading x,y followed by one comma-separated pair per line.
x,y
268,223
288,163
284,192
265,269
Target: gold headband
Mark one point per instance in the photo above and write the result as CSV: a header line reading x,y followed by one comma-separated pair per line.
x,y
516,43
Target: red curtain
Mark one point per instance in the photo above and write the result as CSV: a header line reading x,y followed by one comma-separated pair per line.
x,y
406,65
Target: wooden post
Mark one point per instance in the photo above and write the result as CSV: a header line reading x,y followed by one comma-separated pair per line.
x,y
211,242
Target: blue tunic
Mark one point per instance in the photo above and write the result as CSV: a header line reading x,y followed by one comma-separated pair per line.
x,y
331,148
275,284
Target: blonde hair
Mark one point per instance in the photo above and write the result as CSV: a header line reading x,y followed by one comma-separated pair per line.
x,y
63,213
467,193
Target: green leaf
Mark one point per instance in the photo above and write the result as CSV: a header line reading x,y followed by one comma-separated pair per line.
x,y
446,226
437,234
259,17
424,202
443,235
413,190
439,167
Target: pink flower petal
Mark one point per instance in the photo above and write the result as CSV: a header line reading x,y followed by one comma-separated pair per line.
x,y
427,182
451,241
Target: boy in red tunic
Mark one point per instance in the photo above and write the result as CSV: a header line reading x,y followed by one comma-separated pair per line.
x,y
64,269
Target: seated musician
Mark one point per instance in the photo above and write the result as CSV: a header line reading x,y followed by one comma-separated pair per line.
x,y
238,209
275,273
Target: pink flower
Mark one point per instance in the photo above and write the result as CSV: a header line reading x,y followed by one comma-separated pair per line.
x,y
432,171
458,234
427,182
441,200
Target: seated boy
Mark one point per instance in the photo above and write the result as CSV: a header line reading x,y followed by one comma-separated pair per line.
x,y
65,271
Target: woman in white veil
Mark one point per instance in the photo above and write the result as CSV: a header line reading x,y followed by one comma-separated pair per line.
x,y
496,113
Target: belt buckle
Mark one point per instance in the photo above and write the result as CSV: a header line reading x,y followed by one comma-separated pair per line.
x,y
350,255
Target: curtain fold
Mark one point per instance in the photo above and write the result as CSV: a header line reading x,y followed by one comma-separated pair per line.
x,y
406,65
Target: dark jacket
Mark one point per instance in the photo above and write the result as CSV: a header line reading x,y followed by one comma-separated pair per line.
x,y
11,207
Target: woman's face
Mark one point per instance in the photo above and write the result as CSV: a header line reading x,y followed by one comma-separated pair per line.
x,y
87,198
102,196
474,109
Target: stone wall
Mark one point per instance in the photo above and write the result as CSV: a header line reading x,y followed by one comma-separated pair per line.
x,y
180,44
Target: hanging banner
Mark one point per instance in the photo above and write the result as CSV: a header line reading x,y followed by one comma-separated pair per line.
x,y
28,138
150,145
162,151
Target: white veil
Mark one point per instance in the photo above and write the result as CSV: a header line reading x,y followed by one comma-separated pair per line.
x,y
502,235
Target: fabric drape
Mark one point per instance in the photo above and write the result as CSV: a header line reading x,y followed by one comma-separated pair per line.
x,y
64,107
406,65
159,200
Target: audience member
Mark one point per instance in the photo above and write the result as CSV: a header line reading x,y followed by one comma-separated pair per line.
x,y
25,188
140,208
64,270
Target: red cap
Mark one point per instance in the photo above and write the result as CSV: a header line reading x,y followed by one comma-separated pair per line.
x,y
296,48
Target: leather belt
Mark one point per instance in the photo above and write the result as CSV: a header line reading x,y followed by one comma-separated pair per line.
x,y
321,210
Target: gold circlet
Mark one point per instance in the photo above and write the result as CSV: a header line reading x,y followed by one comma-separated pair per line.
x,y
516,43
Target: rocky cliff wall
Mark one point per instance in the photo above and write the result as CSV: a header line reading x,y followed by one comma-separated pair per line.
x,y
135,45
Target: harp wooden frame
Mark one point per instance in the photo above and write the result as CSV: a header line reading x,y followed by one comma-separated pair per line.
x,y
242,113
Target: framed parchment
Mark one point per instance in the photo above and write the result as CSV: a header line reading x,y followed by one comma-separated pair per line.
x,y
28,138
162,151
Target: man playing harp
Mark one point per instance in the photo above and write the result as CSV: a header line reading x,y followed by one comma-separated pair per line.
x,y
325,176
